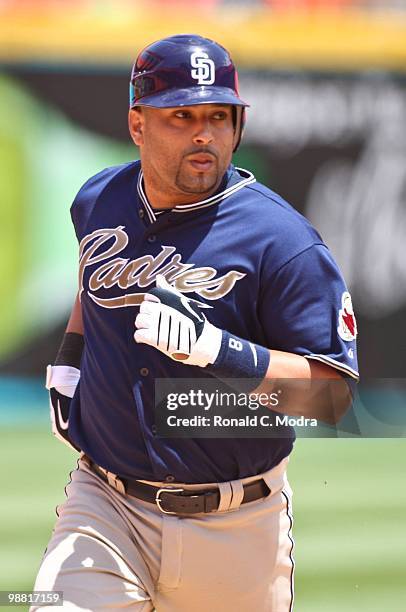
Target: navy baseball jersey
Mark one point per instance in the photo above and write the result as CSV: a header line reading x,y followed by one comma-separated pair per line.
x,y
246,252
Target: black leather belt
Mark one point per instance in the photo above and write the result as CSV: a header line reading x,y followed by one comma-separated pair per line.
x,y
182,501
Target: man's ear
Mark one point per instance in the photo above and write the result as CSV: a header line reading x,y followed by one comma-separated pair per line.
x,y
135,125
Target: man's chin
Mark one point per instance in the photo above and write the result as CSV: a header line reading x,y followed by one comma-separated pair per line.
x,y
200,185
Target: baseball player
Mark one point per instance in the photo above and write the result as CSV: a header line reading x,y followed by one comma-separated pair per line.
x,y
188,268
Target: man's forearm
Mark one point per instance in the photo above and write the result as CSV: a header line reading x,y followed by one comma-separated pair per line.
x,y
75,323
171,323
312,389
63,377
71,348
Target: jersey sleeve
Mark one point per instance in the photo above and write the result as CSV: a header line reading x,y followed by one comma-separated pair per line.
x,y
88,195
306,309
84,202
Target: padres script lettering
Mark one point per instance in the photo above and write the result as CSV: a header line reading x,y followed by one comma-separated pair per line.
x,y
143,270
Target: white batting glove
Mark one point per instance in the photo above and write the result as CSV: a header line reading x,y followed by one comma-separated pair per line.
x,y
173,324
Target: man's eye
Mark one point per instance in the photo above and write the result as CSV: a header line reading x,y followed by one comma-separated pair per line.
x,y
182,114
220,115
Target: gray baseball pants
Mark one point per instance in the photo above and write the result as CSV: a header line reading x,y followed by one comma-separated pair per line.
x,y
111,551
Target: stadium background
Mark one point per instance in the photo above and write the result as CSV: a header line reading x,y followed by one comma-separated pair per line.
x,y
326,129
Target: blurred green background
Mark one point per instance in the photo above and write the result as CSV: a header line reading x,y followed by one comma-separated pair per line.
x,y
326,80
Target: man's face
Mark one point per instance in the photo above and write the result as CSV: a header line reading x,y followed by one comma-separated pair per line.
x,y
185,151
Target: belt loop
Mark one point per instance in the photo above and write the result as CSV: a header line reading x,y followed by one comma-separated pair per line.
x,y
225,496
115,482
112,479
276,476
238,494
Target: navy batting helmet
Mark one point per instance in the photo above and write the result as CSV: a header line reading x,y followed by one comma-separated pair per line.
x,y
186,70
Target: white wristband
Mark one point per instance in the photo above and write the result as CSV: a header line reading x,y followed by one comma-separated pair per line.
x,y
63,378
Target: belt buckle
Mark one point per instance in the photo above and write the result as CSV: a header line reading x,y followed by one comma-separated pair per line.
x,y
158,498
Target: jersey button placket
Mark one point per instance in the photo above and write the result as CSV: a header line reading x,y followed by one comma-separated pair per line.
x,y
144,371
151,238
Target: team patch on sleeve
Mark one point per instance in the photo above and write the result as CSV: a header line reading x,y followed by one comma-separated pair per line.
x,y
347,325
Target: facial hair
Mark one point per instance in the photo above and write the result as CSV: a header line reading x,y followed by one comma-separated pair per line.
x,y
201,182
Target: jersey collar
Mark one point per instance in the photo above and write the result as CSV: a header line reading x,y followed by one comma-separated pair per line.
x,y
246,179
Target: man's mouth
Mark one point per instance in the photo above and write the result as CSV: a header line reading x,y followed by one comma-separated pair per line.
x,y
202,162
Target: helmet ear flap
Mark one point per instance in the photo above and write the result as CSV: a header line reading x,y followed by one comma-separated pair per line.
x,y
239,122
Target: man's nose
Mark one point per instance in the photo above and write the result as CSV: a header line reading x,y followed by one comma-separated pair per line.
x,y
203,133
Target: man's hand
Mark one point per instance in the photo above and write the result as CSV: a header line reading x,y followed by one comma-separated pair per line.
x,y
173,324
